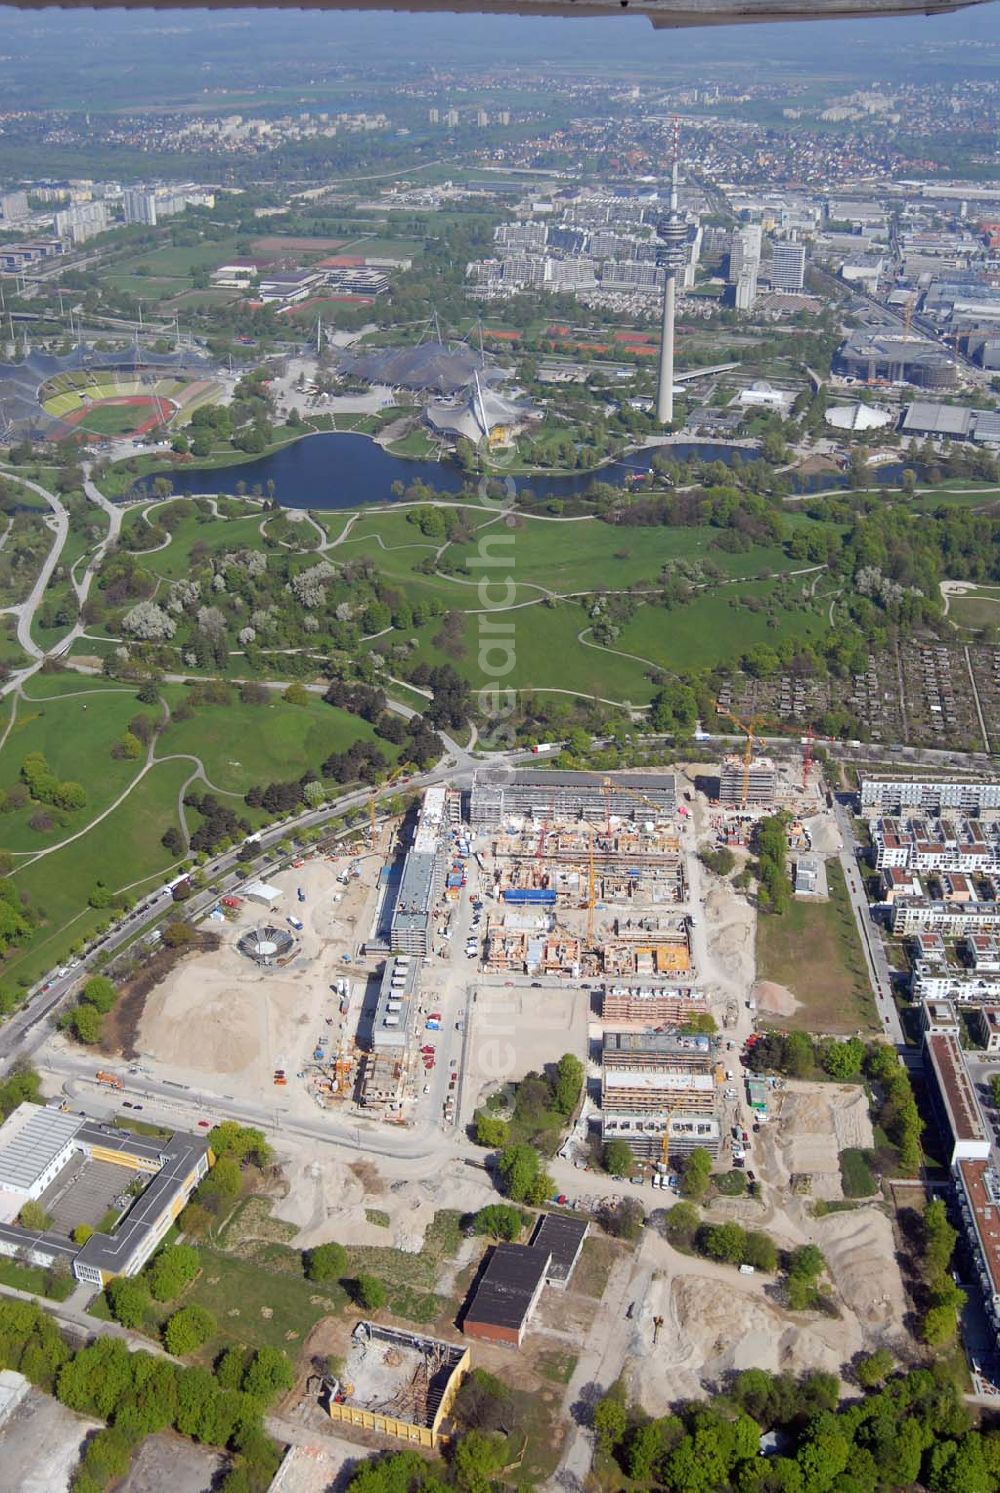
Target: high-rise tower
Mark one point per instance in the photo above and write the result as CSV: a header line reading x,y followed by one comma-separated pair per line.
x,y
670,254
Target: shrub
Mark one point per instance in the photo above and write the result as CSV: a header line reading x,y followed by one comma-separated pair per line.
x,y
188,1329
326,1262
370,1292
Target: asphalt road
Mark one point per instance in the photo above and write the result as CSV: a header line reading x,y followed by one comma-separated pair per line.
x,y
875,960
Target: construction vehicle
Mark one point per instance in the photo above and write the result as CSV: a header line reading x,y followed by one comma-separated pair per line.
x,y
111,1079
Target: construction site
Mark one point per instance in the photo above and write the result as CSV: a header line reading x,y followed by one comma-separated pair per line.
x,y
400,1384
565,857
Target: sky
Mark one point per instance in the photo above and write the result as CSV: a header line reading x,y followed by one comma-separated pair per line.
x,y
44,54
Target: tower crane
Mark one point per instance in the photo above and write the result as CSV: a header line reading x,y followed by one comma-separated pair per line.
x,y
749,729
591,888
609,785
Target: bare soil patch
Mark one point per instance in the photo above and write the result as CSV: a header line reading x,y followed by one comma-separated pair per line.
x,y
121,1025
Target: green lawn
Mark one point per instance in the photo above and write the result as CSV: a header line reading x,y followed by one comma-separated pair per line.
x,y
114,419
260,1308
172,262
856,1175
813,949
76,734
174,561
715,629
123,849
545,653
147,287
978,607
40,1282
241,745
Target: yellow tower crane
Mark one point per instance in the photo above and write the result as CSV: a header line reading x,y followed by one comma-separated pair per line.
x,y
609,785
591,888
749,728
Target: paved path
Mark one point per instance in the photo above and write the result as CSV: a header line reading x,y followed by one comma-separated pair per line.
x,y
875,960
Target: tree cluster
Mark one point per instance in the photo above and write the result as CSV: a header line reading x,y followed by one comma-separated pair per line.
x,y
85,1020
771,841
915,1429
138,1395
220,826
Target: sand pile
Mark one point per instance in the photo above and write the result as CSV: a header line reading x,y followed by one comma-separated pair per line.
x,y
713,1326
815,1123
774,1000
860,1253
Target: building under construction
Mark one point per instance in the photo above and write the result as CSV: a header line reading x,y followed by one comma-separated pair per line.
x,y
747,784
422,879
627,862
564,796
382,1080
398,1384
658,1138
651,1005
658,1092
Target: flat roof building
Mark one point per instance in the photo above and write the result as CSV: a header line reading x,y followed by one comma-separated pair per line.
x,y
978,1191
968,1138
952,918
570,795
39,1144
423,878
505,1294
562,1239
35,1145
645,1134
938,1018
893,795
985,1023
938,421
395,1009
683,1051
946,982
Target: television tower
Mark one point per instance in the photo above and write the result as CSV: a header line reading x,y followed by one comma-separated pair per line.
x,y
670,255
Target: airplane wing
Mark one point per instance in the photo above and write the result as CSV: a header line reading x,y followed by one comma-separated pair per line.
x,y
662,13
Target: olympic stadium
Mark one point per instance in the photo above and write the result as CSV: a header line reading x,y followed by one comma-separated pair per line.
x,y
89,395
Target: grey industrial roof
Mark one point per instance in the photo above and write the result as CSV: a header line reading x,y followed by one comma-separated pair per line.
x,y
561,1238
987,426
670,1041
30,1140
503,1294
405,993
941,419
416,887
529,777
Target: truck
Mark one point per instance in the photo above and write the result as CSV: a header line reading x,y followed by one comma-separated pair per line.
x,y
545,746
296,923
111,1079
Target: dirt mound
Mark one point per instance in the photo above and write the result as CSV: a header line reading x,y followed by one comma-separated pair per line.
x,y
813,1124
859,1250
774,1000
715,1325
